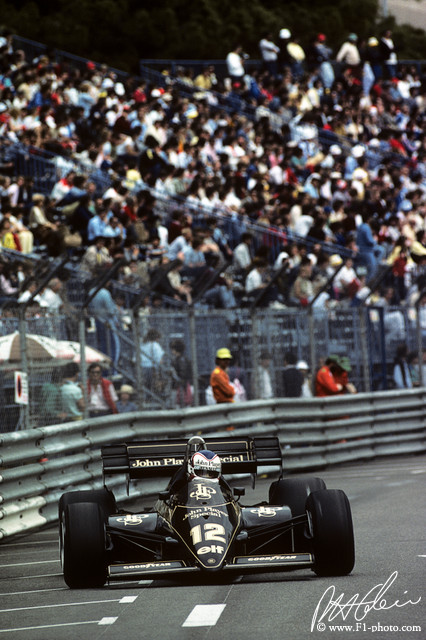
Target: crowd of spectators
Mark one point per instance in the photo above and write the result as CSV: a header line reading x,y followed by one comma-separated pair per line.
x,y
333,153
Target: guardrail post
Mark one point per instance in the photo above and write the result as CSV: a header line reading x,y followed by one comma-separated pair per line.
x,y
83,370
364,348
138,367
193,347
312,338
255,344
24,414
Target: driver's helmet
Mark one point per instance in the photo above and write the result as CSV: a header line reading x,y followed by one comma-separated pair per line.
x,y
205,464
194,444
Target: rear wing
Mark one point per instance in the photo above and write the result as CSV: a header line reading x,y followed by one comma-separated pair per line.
x,y
147,458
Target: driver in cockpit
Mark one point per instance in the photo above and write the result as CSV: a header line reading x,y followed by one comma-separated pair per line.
x,y
204,464
199,462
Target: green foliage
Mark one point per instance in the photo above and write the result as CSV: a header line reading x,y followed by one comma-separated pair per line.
x,y
120,32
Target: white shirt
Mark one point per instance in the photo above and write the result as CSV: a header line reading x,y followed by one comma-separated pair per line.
x,y
265,385
97,401
234,64
253,280
268,50
241,257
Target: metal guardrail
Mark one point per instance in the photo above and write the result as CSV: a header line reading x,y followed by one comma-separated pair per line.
x,y
38,465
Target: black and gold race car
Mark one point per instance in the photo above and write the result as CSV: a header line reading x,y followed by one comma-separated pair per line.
x,y
198,524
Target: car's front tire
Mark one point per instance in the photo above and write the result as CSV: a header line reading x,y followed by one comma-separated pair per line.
x,y
83,545
330,522
293,492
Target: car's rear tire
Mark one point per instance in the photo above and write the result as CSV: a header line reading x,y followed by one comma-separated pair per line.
x,y
330,519
83,547
293,492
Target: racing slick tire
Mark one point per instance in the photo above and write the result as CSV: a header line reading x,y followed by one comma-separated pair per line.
x,y
83,545
331,528
292,492
103,497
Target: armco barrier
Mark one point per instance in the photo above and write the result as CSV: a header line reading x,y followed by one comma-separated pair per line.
x,y
38,465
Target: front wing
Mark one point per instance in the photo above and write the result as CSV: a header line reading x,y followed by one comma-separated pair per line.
x,y
239,565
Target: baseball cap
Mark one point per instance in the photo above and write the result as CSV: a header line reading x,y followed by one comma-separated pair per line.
x,y
302,365
285,33
322,37
126,388
335,260
344,363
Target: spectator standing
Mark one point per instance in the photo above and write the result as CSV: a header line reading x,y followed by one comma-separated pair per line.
x,y
349,55
182,374
387,47
125,404
107,321
152,356
264,381
320,59
370,253
269,52
401,370
235,64
51,399
297,58
222,389
325,383
306,386
292,378
72,399
102,396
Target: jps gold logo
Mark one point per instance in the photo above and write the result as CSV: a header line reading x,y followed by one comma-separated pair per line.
x,y
132,519
265,512
203,492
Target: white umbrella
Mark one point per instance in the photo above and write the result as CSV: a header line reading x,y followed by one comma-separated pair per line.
x,y
42,348
91,354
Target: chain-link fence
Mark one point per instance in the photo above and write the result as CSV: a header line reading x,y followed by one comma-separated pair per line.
x,y
167,355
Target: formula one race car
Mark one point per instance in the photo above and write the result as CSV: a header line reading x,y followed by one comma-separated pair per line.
x,y
198,524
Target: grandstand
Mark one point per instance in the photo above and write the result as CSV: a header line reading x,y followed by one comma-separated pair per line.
x,y
310,332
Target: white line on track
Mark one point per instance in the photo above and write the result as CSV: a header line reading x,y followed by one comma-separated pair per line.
x,y
27,564
25,544
204,615
52,626
109,620
18,593
42,575
124,600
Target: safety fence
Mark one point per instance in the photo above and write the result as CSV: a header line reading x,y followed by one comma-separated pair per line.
x,y
126,340
38,465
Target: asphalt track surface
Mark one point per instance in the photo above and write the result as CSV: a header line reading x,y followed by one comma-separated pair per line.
x,y
388,505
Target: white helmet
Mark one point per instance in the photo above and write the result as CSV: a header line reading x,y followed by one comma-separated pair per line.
x,y
205,464
194,444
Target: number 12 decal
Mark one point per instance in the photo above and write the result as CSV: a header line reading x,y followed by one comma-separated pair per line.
x,y
212,531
